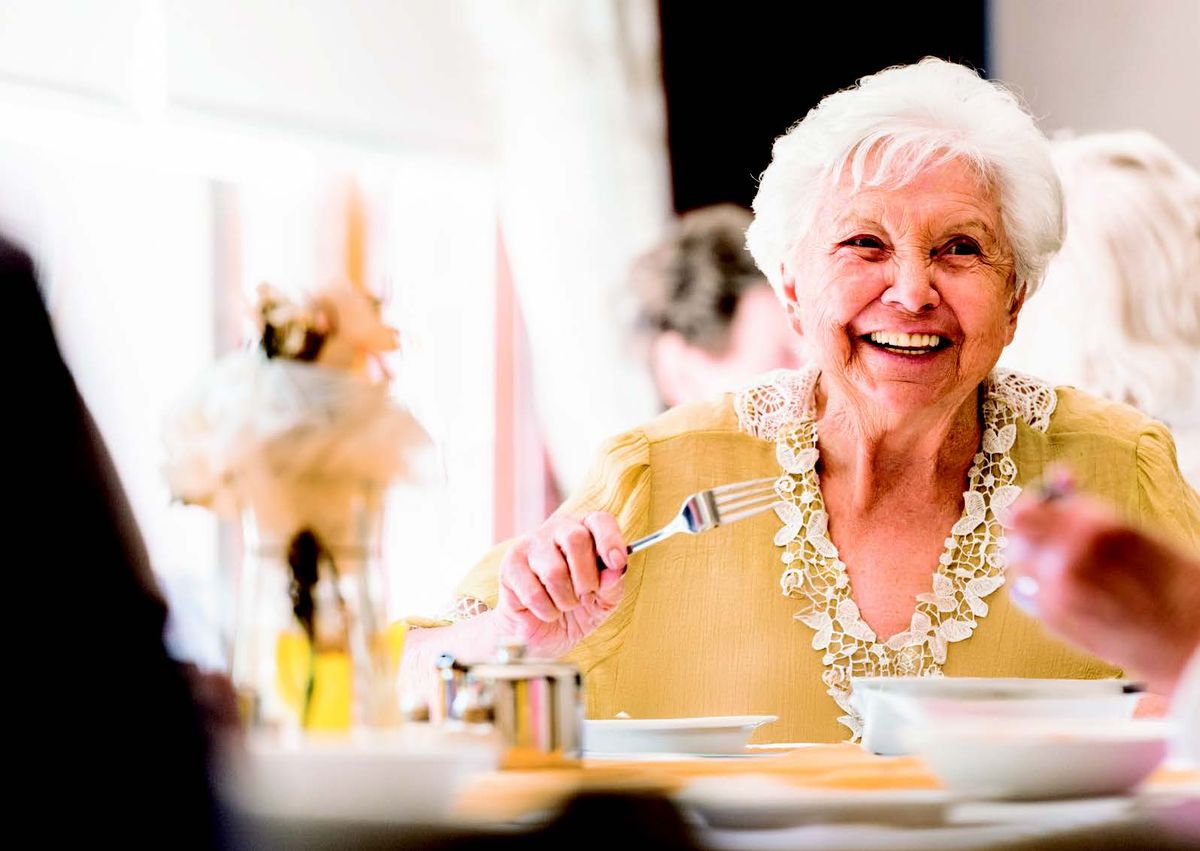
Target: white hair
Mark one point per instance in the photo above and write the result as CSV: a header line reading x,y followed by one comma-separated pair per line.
x,y
1121,312
889,127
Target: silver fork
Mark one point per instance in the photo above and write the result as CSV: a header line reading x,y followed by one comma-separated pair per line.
x,y
715,507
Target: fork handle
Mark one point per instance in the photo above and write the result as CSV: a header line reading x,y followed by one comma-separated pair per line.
x,y
650,540
641,544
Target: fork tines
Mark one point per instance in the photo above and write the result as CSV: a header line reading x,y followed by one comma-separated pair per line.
x,y
740,500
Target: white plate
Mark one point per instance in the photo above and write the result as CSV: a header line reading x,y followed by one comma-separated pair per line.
x,y
1034,760
718,735
760,802
647,756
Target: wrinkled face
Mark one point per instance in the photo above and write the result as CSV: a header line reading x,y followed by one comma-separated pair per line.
x,y
906,296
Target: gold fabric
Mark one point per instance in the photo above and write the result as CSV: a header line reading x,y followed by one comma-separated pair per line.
x,y
704,628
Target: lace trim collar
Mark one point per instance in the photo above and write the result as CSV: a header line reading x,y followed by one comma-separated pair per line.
x,y
970,568
784,395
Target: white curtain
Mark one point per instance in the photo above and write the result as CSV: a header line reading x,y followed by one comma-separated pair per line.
x,y
584,188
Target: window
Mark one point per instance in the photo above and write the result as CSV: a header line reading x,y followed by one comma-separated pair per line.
x,y
152,231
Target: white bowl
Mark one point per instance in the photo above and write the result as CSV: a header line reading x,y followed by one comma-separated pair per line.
x,y
889,704
410,775
718,735
1030,760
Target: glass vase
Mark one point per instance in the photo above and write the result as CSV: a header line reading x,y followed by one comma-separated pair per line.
x,y
312,648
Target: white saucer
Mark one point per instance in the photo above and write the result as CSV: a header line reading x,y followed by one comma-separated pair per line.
x,y
674,757
724,735
760,802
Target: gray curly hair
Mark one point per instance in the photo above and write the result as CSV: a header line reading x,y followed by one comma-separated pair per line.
x,y
692,281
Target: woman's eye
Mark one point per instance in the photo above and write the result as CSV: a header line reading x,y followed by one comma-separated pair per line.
x,y
961,248
864,242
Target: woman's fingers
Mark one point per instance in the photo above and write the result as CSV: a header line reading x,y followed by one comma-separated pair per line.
x,y
612,588
609,542
1070,529
547,559
575,542
554,570
527,590
1039,521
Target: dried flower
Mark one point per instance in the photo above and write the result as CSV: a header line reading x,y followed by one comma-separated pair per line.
x,y
288,330
301,404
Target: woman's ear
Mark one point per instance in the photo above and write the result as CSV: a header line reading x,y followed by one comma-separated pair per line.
x,y
1014,310
787,285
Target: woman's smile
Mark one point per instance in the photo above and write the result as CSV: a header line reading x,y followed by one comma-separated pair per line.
x,y
905,357
909,344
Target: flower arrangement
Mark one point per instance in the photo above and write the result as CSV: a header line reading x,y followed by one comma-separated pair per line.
x,y
299,435
301,404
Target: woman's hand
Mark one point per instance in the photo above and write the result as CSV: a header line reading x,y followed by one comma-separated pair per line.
x,y
552,591
1107,587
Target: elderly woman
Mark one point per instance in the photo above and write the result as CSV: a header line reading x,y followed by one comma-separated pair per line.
x,y
903,223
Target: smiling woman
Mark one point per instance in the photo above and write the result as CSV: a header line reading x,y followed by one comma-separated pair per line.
x,y
910,289
903,224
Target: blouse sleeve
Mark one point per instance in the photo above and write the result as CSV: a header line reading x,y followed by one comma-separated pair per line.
x,y
618,483
1166,503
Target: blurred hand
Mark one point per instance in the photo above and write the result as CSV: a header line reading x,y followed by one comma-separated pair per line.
x,y
1106,587
215,698
552,592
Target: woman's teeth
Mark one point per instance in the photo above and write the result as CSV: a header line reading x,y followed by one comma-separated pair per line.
x,y
912,343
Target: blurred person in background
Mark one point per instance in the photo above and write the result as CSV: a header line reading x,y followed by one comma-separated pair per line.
x,y
708,316
1120,311
903,224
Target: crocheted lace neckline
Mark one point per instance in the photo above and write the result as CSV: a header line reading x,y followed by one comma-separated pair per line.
x,y
781,408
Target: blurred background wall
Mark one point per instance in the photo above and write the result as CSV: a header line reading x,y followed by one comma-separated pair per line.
x,y
1091,65
491,165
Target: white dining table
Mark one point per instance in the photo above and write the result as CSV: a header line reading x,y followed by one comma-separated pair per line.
x,y
1127,822
824,797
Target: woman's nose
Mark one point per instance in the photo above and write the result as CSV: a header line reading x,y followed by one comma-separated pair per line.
x,y
912,288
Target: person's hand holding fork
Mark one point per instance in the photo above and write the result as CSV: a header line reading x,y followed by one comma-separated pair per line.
x,y
555,589
553,592
1105,586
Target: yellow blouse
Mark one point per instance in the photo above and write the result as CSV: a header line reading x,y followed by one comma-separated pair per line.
x,y
704,628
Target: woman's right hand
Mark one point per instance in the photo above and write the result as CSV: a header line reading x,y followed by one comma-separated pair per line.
x,y
552,592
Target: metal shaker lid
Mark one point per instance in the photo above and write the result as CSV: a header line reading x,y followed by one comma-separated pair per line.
x,y
511,664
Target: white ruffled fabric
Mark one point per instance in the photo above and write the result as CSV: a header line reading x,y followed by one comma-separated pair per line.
x,y
252,423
